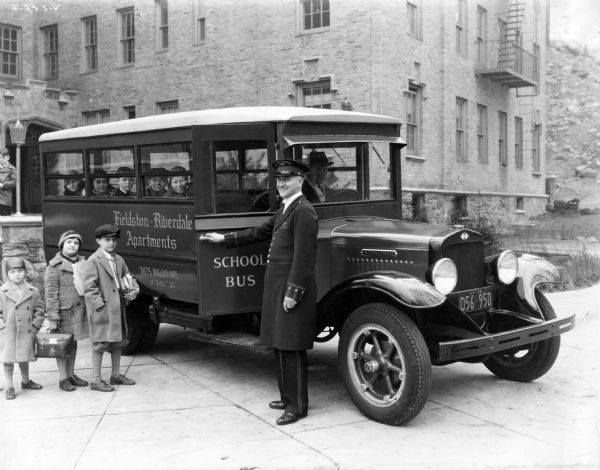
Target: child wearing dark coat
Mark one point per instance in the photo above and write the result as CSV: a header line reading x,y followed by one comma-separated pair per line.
x,y
21,316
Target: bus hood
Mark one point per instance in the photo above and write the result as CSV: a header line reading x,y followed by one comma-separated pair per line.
x,y
376,232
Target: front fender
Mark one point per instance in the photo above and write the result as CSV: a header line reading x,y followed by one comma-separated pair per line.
x,y
533,270
405,289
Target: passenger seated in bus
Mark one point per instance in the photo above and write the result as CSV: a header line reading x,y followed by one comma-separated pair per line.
x,y
100,185
73,186
125,183
156,184
179,185
314,187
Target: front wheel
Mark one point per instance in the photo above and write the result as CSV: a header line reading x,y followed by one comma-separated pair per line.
x,y
531,361
385,364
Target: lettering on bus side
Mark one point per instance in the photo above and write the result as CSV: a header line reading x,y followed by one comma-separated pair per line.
x,y
133,224
239,261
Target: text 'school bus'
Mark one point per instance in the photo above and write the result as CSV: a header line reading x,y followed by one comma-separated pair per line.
x,y
402,296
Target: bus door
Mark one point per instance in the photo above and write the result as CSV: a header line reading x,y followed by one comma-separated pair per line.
x,y
233,164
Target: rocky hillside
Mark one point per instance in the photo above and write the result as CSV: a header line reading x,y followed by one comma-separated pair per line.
x,y
573,123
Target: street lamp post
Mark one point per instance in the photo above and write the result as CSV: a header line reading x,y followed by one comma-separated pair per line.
x,y
18,132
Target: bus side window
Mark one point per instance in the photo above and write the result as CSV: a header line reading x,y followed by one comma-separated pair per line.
x,y
114,169
242,176
64,174
166,170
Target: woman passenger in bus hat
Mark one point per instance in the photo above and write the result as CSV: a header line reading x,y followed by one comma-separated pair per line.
x,y
65,307
178,185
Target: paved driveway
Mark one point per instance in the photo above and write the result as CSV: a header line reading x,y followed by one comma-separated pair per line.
x,y
201,406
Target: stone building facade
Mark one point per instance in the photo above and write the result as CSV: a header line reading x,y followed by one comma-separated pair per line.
x,y
464,76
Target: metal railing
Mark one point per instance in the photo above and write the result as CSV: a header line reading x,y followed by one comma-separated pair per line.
x,y
492,55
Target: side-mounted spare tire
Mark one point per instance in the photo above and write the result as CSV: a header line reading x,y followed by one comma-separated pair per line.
x,y
385,363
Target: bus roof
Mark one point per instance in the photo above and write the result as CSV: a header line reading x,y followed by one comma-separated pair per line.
x,y
218,116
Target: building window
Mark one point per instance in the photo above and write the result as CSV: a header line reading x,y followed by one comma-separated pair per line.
x,y
419,210
162,24
413,18
412,100
90,44
482,133
127,36
461,121
535,150
461,208
200,23
166,107
96,117
316,95
502,137
520,204
536,67
50,50
314,14
481,36
461,24
129,112
518,142
10,51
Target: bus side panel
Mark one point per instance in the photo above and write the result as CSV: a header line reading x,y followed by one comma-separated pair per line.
x,y
231,280
157,241
170,280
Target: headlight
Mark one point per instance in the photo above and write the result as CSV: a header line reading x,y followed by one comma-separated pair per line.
x,y
507,266
444,275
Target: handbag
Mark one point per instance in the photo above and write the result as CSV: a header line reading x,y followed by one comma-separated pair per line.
x,y
55,344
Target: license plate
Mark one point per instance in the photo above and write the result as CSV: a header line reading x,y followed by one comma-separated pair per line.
x,y
475,299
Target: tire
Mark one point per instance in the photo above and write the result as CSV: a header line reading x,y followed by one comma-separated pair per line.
x,y
531,361
141,338
148,337
133,335
141,331
388,391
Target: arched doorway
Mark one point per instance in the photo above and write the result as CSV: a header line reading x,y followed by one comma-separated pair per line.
x,y
31,184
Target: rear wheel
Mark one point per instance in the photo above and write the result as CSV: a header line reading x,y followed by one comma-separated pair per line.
x,y
531,361
385,364
141,330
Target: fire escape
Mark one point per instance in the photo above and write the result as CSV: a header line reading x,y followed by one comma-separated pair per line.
x,y
504,60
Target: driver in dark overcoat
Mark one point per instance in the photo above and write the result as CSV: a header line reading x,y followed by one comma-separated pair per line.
x,y
289,297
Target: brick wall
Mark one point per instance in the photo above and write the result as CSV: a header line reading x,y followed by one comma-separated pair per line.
x,y
254,54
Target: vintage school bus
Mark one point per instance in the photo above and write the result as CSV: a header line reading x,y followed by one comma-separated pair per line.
x,y
401,295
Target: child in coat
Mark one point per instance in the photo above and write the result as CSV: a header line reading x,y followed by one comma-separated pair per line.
x,y
21,316
106,295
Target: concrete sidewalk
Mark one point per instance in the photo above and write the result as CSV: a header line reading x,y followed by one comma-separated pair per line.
x,y
201,406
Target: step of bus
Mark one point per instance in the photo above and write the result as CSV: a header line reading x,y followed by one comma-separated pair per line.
x,y
235,339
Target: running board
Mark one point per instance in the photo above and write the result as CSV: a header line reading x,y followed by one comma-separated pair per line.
x,y
234,339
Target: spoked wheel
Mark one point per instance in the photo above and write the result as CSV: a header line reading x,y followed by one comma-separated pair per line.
x,y
385,363
326,334
531,361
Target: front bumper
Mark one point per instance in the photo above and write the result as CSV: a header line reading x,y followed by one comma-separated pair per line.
x,y
488,344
